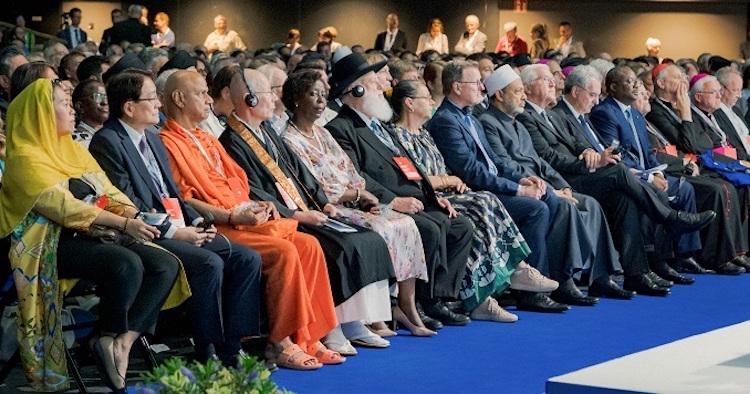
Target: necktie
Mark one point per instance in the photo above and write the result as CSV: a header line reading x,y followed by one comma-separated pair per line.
x,y
546,118
590,134
384,137
629,116
474,135
152,166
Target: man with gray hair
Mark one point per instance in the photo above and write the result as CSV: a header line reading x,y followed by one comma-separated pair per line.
x,y
578,237
461,139
222,39
472,40
131,29
729,118
511,42
10,59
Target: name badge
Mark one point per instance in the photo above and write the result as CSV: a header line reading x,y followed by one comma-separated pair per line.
x,y
288,201
671,150
102,202
727,151
406,166
172,205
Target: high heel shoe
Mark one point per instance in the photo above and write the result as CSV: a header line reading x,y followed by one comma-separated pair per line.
x,y
419,331
104,353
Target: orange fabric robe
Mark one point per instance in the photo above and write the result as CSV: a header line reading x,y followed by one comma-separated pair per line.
x,y
297,286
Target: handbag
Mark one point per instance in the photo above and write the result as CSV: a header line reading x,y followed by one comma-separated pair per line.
x,y
82,190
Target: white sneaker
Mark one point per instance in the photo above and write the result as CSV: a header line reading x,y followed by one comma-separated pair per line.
x,y
530,279
492,311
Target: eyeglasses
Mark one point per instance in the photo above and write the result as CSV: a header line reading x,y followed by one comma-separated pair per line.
x,y
146,99
736,92
98,97
477,83
421,97
276,87
546,79
593,95
712,91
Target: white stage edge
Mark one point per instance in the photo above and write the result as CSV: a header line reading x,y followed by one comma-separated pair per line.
x,y
715,362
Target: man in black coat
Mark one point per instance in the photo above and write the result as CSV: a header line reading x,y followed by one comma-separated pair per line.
x,y
390,39
379,158
131,29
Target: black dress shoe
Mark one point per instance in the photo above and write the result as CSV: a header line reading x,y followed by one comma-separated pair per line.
x,y
436,309
742,261
658,280
609,289
538,302
665,271
730,269
428,322
690,266
569,294
104,355
456,307
641,284
685,222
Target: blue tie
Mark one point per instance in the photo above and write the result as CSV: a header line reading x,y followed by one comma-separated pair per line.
x,y
384,137
153,167
474,135
629,115
590,134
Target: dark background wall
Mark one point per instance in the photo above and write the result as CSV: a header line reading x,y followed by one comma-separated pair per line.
x,y
618,26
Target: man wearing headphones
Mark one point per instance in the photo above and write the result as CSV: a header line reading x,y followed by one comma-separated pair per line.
x,y
361,130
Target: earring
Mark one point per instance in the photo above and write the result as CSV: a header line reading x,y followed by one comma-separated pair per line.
x,y
296,105
411,109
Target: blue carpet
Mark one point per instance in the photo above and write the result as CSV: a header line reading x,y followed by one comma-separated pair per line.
x,y
519,358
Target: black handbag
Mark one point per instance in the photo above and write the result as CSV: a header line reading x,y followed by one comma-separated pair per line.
x,y
83,191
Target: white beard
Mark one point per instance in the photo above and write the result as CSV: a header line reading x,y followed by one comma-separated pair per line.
x,y
377,106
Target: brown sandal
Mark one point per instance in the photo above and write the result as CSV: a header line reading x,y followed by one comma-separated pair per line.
x,y
327,356
293,357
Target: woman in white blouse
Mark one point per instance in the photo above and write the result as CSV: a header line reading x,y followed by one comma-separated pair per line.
x,y
434,39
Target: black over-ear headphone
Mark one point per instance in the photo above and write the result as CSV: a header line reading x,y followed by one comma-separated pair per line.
x,y
251,100
357,91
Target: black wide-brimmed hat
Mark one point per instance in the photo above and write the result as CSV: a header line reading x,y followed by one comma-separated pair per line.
x,y
348,70
127,62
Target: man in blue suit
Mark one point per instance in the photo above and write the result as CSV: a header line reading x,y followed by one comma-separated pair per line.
x,y
73,34
616,119
462,141
224,276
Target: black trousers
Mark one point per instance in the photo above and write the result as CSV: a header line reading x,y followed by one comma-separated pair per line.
x,y
625,218
132,282
225,283
447,243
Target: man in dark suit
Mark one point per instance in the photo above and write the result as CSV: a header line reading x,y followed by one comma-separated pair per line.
x,y
615,119
672,117
571,145
390,39
73,34
224,276
578,237
116,16
378,156
131,29
461,139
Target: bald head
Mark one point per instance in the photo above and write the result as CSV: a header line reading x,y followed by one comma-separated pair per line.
x,y
186,98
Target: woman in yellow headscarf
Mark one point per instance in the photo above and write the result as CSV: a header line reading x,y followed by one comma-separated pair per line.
x,y
46,224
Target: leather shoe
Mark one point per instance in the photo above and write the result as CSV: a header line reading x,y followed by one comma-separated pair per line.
x,y
690,266
456,307
538,302
104,354
609,289
436,309
428,322
665,271
658,280
742,261
642,284
686,222
730,269
569,294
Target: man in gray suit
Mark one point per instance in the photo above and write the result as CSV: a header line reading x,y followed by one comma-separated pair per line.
x,y
472,40
578,236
